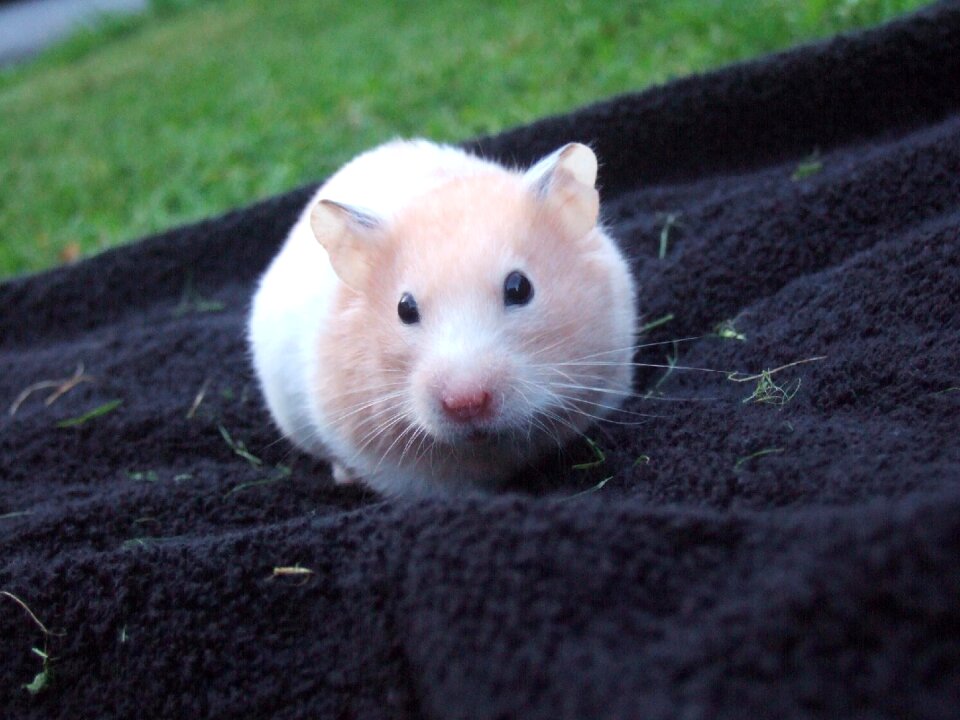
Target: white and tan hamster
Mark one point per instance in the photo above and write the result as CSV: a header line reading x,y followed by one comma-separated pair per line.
x,y
434,321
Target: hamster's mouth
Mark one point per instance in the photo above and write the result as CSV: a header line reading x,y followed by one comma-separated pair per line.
x,y
479,436
473,437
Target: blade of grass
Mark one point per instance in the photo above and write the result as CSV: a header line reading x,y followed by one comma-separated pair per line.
x,y
597,453
98,411
239,448
760,453
656,323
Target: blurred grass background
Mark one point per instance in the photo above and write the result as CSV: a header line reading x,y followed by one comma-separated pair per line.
x,y
197,107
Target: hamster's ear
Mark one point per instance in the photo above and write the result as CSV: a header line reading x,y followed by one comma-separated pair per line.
x,y
564,182
350,236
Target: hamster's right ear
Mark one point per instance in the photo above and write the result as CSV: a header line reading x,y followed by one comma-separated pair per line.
x,y
350,236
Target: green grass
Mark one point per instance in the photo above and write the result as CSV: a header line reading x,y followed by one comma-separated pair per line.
x,y
96,412
198,107
42,679
752,456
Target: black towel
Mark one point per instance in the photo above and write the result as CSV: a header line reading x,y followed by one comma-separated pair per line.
x,y
784,546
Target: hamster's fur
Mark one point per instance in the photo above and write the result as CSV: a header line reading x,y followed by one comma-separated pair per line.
x,y
434,320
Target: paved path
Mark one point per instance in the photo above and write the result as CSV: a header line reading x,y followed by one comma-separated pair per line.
x,y
28,26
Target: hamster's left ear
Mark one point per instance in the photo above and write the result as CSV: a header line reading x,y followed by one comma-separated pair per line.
x,y
564,182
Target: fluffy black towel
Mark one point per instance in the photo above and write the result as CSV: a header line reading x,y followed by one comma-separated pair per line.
x,y
786,546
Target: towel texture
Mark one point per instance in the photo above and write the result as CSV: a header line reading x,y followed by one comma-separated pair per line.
x,y
783,546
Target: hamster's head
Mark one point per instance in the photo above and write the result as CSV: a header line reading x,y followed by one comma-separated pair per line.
x,y
497,305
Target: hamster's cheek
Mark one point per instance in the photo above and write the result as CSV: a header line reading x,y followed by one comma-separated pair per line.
x,y
396,345
529,391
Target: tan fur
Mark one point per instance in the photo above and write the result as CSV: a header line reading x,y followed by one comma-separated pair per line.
x,y
451,249
472,382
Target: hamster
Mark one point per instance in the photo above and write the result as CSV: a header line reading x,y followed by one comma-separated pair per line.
x,y
434,320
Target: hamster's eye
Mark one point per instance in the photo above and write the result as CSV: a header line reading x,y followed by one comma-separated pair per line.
x,y
517,289
407,309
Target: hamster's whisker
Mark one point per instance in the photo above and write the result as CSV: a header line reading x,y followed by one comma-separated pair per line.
x,y
379,422
588,388
367,389
395,413
568,377
577,375
418,433
423,447
567,407
625,393
564,422
568,402
530,408
581,376
384,454
290,450
551,433
534,422
382,426
575,385
354,409
664,398
557,401
640,347
431,446
283,436
607,420
634,394
605,363
410,426
611,408
532,340
540,351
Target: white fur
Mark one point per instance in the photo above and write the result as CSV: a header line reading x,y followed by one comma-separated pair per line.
x,y
292,306
292,302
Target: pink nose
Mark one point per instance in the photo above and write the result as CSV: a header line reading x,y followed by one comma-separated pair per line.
x,y
466,406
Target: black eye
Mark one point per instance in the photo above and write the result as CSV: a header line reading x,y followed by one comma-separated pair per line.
x,y
517,289
407,309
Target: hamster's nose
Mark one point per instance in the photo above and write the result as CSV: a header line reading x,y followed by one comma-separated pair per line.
x,y
466,405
